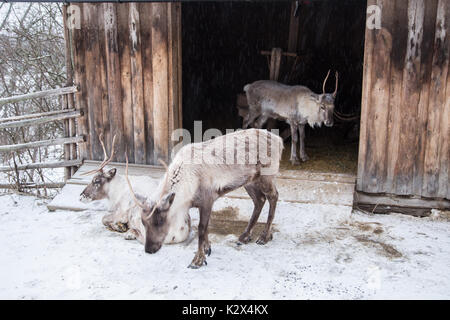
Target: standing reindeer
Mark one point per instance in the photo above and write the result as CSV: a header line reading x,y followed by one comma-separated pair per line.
x,y
125,214
200,173
296,105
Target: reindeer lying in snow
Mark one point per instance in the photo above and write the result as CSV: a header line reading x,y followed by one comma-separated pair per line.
x,y
296,105
200,173
125,215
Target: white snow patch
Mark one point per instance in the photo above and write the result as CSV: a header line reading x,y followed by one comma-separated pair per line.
x,y
319,252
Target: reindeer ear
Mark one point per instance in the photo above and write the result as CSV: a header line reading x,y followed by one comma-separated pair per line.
x,y
111,173
167,201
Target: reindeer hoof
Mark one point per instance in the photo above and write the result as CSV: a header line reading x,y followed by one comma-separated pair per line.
x,y
295,162
198,261
195,266
130,235
208,252
244,239
264,238
304,158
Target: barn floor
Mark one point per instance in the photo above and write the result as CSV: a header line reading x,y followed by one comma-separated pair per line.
x,y
318,252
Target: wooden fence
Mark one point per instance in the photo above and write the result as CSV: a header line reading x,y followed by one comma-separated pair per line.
x,y
70,140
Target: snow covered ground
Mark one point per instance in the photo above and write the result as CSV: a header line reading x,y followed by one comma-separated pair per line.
x,y
318,252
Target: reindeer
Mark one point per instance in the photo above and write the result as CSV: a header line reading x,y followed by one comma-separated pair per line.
x,y
125,214
200,173
296,105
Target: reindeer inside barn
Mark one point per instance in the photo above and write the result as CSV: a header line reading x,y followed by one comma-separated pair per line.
x,y
297,105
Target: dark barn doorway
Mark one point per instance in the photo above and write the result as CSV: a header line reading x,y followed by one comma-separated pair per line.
x,y
222,42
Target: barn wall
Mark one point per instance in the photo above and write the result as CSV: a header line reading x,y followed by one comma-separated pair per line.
x,y
126,61
405,129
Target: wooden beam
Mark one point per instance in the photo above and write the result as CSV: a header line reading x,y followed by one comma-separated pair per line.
x,y
35,115
389,203
52,185
437,136
114,78
43,165
33,122
378,100
78,50
294,26
137,84
160,67
43,143
39,95
92,59
124,42
145,9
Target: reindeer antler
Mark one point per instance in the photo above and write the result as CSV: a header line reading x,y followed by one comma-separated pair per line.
x,y
134,195
325,81
106,160
164,187
129,184
337,81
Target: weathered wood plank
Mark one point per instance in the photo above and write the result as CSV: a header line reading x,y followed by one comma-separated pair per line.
x,y
36,115
400,30
145,10
180,65
39,95
78,47
91,38
444,154
389,203
114,79
50,185
437,103
365,102
68,100
174,66
103,79
429,26
42,165
33,122
123,38
160,66
376,115
43,143
137,84
444,177
410,99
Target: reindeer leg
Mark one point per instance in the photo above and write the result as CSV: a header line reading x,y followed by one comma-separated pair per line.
x,y
113,222
207,245
258,201
301,131
294,136
200,258
270,191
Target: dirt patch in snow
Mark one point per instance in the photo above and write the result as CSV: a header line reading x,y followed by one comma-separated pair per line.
x,y
226,221
369,234
382,247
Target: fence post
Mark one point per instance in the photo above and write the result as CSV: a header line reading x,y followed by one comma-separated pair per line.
x,y
70,151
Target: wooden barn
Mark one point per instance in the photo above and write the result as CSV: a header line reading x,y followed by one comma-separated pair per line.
x,y
144,69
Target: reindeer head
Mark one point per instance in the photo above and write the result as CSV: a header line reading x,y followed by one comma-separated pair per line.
x,y
154,214
97,189
325,102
